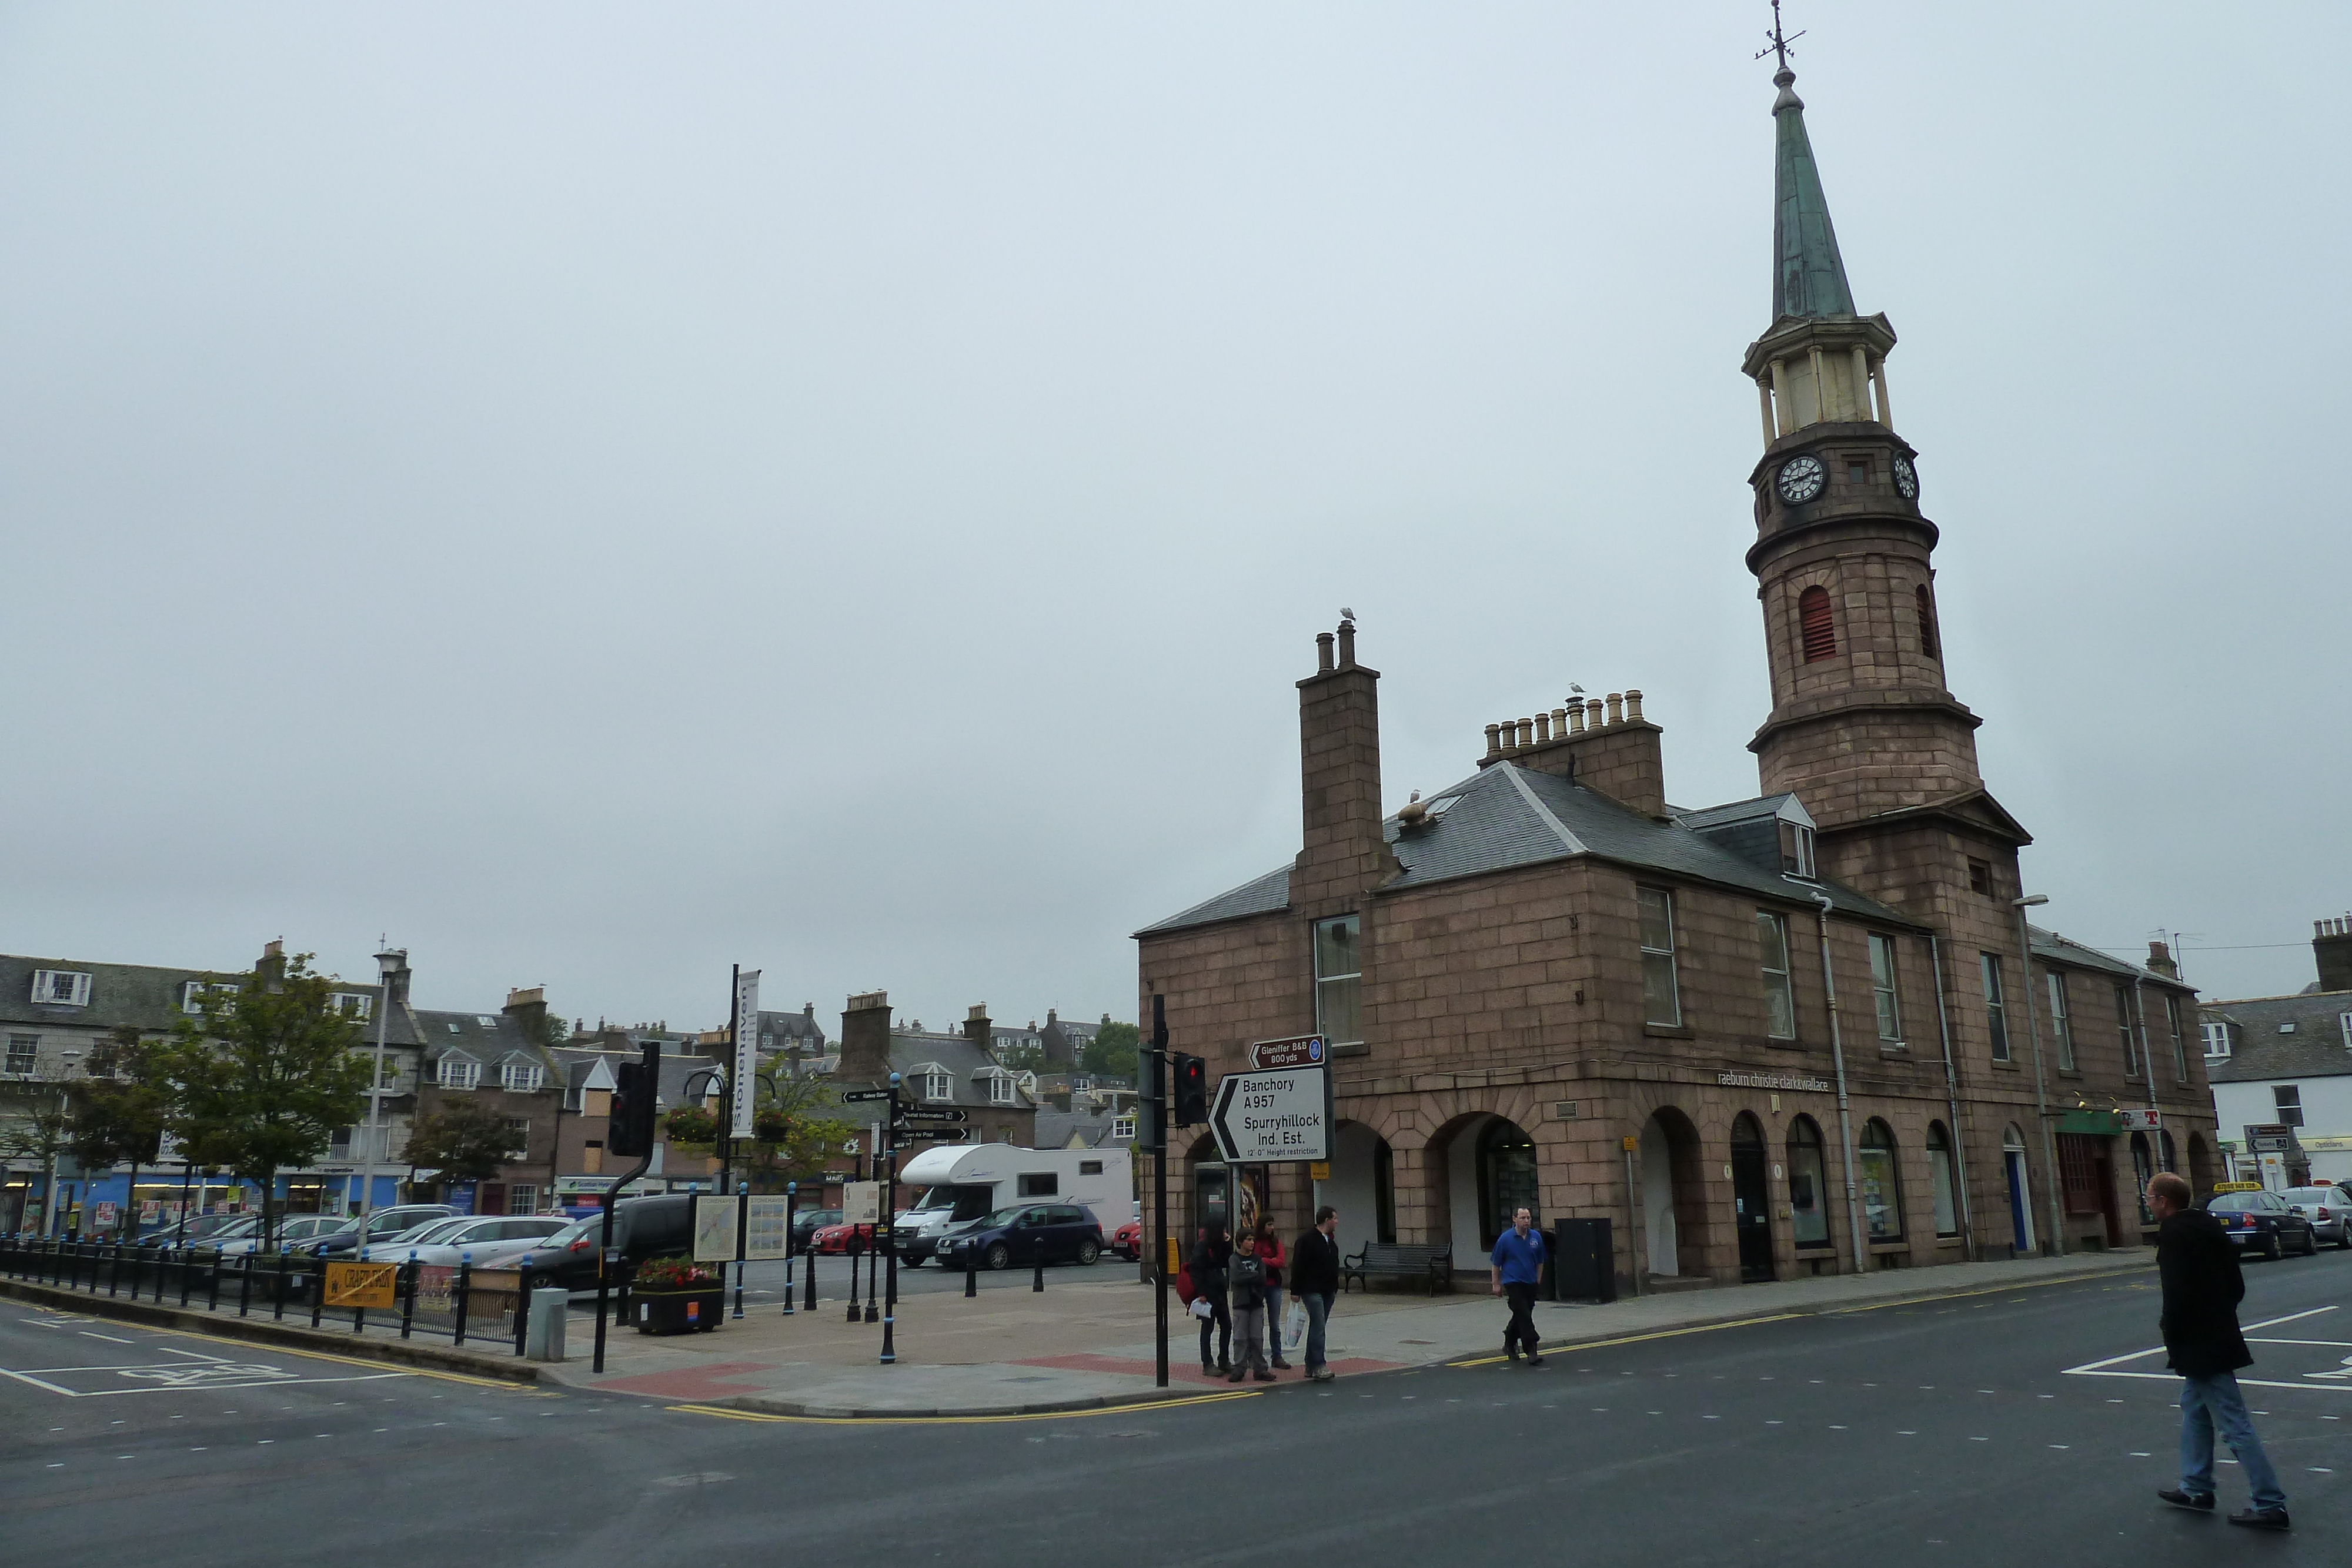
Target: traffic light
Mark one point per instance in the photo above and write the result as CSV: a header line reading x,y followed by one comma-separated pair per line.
x,y
635,1104
1187,1090
1151,1135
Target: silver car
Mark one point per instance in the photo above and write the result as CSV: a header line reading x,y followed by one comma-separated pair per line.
x,y
489,1241
2329,1209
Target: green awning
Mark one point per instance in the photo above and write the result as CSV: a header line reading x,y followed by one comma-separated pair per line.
x,y
2098,1123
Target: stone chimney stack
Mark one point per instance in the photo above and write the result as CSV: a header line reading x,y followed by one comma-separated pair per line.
x,y
866,1039
272,966
2159,961
1607,747
1339,768
2331,943
393,971
529,1009
976,1026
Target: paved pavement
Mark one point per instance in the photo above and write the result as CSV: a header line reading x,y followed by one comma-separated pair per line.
x,y
2004,1427
1087,1338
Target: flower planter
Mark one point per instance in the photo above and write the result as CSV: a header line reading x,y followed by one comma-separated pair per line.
x,y
696,1308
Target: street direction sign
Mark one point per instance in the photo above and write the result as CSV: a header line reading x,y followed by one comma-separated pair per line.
x,y
867,1095
1300,1050
934,1116
1281,1115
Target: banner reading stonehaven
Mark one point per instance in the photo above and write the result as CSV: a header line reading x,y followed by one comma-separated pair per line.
x,y
744,1075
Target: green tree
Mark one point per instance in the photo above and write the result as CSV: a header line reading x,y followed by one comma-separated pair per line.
x,y
1112,1052
120,1109
266,1075
465,1141
795,1129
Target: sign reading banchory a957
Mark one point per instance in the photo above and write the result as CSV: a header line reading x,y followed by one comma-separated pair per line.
x,y
1267,1114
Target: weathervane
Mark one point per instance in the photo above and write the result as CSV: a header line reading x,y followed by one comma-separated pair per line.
x,y
1780,41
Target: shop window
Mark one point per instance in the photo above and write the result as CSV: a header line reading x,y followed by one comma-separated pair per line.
x,y
1661,999
1877,1184
523,1198
1808,1191
1384,1192
2078,1173
1772,958
1944,1179
1338,981
1507,1179
2061,1022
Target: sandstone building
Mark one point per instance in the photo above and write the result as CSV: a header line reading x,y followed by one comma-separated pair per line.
x,y
1546,985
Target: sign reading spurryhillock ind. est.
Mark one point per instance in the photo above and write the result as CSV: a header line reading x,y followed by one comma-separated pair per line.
x,y
1276,1114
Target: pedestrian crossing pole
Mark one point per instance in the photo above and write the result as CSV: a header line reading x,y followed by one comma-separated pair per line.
x,y
1155,1090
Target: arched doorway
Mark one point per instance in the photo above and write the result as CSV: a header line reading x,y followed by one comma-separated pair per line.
x,y
1211,1190
2200,1165
1808,1187
2021,1191
1361,1186
2143,1167
1673,1213
1507,1179
1751,1200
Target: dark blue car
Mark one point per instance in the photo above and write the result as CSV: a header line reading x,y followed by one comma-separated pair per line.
x,y
1029,1234
2264,1222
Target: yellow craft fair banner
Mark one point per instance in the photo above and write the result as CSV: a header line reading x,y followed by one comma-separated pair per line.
x,y
360,1284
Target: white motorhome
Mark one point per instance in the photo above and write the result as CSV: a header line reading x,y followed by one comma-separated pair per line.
x,y
965,1181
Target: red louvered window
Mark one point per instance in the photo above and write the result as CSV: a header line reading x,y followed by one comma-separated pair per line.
x,y
1814,621
1927,621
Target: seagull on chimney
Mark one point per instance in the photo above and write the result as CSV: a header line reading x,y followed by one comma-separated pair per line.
x,y
1346,613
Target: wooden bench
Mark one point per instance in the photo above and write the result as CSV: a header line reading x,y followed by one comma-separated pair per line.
x,y
1394,1260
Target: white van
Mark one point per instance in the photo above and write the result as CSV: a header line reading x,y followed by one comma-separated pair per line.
x,y
965,1181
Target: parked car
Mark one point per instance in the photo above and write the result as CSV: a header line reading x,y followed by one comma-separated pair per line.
x,y
660,1225
807,1222
836,1238
195,1233
1127,1240
2329,1209
1026,1234
488,1241
236,1235
2264,1222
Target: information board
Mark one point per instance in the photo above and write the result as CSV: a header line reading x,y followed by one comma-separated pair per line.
x,y
766,1227
714,1229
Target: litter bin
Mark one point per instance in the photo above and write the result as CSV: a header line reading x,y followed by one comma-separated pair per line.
x,y
1583,1261
542,1338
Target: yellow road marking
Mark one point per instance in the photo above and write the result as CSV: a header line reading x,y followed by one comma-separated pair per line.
x,y
1139,1407
1636,1338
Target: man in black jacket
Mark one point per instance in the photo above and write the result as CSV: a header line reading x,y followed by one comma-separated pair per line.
x,y
2202,1289
1315,1281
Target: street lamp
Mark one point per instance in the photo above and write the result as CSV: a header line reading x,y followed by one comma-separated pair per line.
x,y
725,1145
2056,1245
388,963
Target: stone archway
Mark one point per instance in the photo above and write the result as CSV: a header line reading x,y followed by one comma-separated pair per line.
x,y
1361,1186
2201,1163
1477,1167
1675,1225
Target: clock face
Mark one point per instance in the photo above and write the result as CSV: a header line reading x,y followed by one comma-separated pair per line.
x,y
1906,478
1801,478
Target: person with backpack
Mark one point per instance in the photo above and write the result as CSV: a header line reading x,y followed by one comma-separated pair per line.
x,y
1207,1268
1245,1286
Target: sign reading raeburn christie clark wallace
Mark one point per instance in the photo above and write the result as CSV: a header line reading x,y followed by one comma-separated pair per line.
x,y
1277,1111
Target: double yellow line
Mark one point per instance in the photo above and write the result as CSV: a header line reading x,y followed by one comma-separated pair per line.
x,y
1136,1407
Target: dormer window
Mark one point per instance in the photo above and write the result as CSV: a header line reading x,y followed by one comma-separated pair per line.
x,y
520,1077
1797,850
2217,1041
458,1073
351,1004
1000,1090
938,1086
192,994
61,987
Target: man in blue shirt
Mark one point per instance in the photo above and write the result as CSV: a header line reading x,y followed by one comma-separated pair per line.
x,y
1518,1262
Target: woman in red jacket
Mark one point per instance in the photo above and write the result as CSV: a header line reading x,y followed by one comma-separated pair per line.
x,y
1270,1253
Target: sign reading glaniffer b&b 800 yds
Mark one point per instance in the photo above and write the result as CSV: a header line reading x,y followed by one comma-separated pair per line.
x,y
1276,1113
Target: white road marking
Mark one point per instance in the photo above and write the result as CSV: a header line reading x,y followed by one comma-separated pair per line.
x,y
86,1333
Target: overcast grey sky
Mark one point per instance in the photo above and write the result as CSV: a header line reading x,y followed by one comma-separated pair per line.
x,y
604,493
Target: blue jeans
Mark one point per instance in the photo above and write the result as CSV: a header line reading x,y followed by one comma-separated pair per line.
x,y
2207,1403
1318,1313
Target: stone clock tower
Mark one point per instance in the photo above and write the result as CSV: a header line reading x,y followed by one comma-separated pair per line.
x,y
1864,728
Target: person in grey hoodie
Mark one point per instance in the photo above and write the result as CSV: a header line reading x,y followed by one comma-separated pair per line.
x,y
1245,1288
2202,1288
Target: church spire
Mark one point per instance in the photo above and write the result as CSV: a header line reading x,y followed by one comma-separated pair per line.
x,y
1808,277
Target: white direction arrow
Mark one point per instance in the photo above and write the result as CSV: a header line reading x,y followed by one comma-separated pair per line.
x,y
1281,1114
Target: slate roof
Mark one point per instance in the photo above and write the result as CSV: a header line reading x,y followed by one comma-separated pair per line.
x,y
1054,1129
961,1058
1507,816
143,996
489,1038
2320,1047
2051,948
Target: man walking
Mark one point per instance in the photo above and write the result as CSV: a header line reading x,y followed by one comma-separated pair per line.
x,y
2202,1289
1315,1281
1518,1261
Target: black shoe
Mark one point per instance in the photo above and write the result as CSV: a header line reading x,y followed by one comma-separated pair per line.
x,y
1534,1360
1280,1364
2179,1499
1512,1351
2260,1518
1208,1370
1262,1375
1234,1377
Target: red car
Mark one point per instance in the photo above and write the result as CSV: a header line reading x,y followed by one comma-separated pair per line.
x,y
835,1237
1127,1240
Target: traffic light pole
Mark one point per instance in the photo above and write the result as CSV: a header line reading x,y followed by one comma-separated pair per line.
x,y
890,1228
628,1129
1156,1079
604,1253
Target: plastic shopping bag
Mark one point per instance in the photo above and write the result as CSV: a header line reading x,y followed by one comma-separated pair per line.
x,y
1294,1326
1199,1307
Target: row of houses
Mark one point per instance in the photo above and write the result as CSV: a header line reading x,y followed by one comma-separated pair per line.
x,y
553,1082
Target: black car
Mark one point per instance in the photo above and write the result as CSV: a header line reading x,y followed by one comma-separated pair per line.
x,y
661,1226
2264,1222
1017,1238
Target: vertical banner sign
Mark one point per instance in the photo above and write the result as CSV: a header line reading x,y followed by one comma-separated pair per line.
x,y
745,1074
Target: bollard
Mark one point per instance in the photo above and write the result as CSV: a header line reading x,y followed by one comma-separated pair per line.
x,y
523,1306
212,1282
408,1294
971,1272
318,1292
808,1256
1039,1282
549,1305
244,1279
277,1307
457,1296
854,1312
358,1314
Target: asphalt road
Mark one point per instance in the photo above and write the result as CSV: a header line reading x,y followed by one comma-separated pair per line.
x,y
1989,1430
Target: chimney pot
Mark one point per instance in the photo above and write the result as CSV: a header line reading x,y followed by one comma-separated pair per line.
x,y
1632,704
1494,740
1616,707
1527,733
1592,714
1346,644
1323,653
1576,718
1543,729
